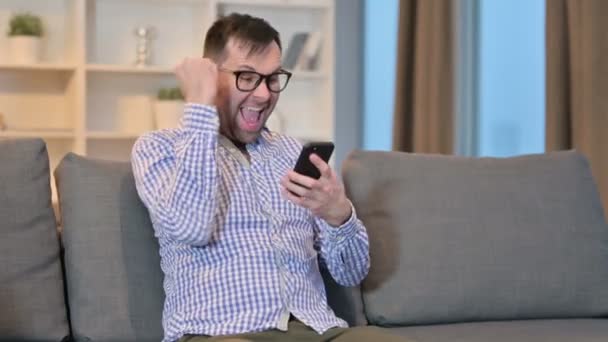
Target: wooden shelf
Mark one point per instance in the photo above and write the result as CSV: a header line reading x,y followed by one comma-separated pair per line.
x,y
311,137
49,134
162,2
112,136
128,69
309,75
300,4
38,67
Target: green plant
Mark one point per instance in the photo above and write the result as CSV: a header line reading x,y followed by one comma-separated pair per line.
x,y
168,94
25,24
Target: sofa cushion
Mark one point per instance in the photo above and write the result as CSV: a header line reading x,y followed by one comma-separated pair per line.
x,y
565,330
112,263
32,303
346,302
454,239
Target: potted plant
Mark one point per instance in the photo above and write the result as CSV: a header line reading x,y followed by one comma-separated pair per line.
x,y
25,32
168,107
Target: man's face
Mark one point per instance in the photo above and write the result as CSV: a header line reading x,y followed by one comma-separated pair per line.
x,y
244,114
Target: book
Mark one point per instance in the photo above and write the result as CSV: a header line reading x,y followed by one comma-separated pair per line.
x,y
309,55
294,50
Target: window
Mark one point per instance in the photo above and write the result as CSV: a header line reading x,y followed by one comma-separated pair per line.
x,y
511,77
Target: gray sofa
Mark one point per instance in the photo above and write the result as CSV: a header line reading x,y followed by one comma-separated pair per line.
x,y
462,249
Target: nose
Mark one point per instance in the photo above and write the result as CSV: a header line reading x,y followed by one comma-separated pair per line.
x,y
262,92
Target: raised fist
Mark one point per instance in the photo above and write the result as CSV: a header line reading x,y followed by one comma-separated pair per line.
x,y
198,80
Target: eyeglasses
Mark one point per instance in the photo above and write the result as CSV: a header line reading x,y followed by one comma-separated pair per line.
x,y
249,80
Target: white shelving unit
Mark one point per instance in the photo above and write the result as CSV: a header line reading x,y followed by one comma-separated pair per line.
x,y
87,97
48,134
37,67
126,69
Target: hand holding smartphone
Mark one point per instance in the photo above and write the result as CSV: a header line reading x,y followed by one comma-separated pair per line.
x,y
325,199
304,166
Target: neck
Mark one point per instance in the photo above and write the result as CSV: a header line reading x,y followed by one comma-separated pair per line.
x,y
242,147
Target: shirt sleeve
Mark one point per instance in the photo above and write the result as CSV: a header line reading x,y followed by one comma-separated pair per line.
x,y
344,250
176,175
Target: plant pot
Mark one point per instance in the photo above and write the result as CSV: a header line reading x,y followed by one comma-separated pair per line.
x,y
24,49
168,113
135,114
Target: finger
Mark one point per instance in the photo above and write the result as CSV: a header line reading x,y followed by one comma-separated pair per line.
x,y
292,198
208,65
331,182
295,188
308,195
286,183
304,202
301,179
317,196
177,70
179,75
321,165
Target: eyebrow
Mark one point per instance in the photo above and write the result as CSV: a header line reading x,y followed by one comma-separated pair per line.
x,y
248,67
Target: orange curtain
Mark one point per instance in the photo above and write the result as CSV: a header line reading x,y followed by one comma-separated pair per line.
x,y
577,82
424,101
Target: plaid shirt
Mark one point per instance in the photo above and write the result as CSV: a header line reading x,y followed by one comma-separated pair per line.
x,y
236,255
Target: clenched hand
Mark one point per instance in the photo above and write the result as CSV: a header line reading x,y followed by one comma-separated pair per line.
x,y
198,80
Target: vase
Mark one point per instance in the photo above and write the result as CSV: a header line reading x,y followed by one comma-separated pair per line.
x,y
24,49
135,114
168,113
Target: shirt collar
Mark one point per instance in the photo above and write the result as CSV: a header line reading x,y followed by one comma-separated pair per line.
x,y
253,147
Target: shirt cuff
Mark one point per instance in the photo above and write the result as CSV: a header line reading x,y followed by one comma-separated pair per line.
x,y
200,117
338,236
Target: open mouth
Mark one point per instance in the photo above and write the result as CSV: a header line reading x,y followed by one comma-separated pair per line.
x,y
252,117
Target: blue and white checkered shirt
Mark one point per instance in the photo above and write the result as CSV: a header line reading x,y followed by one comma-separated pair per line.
x,y
236,255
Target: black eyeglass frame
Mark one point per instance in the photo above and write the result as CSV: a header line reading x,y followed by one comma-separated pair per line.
x,y
262,77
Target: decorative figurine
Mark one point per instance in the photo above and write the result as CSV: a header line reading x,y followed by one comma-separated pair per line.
x,y
143,52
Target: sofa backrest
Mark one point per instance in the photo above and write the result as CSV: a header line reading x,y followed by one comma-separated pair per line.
x,y
456,239
32,303
112,263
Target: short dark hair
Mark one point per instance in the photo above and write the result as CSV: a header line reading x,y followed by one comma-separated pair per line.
x,y
255,33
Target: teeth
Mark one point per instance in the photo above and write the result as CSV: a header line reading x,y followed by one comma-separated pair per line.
x,y
254,109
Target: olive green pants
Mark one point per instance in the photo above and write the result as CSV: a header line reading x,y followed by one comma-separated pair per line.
x,y
298,332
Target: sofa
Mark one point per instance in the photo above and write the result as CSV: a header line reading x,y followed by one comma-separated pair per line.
x,y
462,249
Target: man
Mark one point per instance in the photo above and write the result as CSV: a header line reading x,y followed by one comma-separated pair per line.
x,y
241,235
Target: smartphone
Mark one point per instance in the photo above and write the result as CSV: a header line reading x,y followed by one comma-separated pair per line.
x,y
304,166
